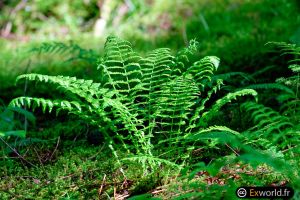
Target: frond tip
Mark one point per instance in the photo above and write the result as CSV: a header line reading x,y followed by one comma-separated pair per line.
x,y
227,99
214,60
45,104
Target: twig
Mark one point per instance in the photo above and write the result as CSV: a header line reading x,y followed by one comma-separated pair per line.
x,y
283,151
158,191
236,153
57,143
115,191
101,187
38,156
16,152
68,176
100,151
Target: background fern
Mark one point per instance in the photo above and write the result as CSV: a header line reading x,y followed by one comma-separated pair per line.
x,y
70,51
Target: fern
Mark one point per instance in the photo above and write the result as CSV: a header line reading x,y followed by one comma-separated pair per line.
x,y
203,70
290,102
184,58
121,65
287,49
9,124
270,125
271,86
72,50
154,160
230,75
140,99
227,99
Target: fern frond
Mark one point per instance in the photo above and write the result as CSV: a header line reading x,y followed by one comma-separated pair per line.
x,y
266,119
227,99
292,81
85,89
183,58
295,68
156,73
175,104
262,71
61,48
54,47
121,65
153,160
270,86
46,104
203,70
229,75
220,135
197,115
287,49
216,128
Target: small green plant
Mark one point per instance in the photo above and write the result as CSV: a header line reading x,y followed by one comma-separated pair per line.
x,y
160,109
140,101
8,123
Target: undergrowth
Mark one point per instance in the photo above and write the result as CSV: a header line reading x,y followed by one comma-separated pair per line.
x,y
161,121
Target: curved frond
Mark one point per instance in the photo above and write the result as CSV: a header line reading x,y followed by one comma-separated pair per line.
x,y
46,104
270,86
203,70
227,99
121,65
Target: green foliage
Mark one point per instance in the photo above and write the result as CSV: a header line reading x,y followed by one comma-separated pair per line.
x,y
9,123
271,86
71,50
271,128
159,109
173,127
137,95
290,102
36,15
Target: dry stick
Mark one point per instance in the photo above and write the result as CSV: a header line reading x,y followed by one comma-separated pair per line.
x,y
5,157
27,150
115,191
24,154
38,156
283,151
68,176
101,187
57,143
158,191
236,153
14,150
100,151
